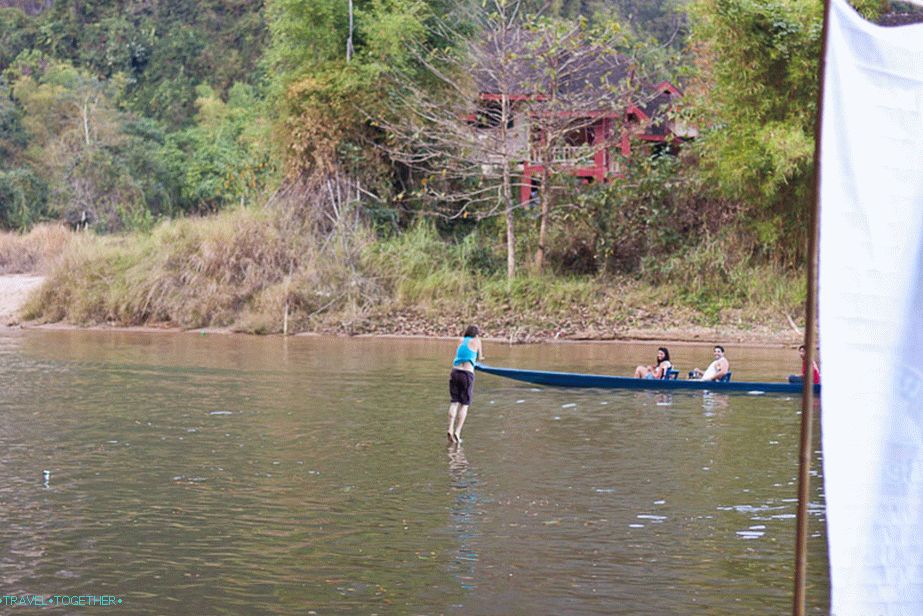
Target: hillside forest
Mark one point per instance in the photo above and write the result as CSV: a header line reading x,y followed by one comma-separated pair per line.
x,y
293,165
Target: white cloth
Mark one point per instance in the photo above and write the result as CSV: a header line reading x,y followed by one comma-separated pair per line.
x,y
871,314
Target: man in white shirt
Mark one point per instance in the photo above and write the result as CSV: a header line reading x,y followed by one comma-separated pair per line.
x,y
715,370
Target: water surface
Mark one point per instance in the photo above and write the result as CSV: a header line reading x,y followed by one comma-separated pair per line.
x,y
227,474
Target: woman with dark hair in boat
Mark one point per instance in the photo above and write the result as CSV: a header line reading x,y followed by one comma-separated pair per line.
x,y
715,370
461,380
658,370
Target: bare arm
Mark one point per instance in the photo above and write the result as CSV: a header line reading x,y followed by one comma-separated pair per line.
x,y
475,345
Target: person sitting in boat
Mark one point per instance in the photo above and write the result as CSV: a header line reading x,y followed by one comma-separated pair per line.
x,y
658,370
804,366
715,370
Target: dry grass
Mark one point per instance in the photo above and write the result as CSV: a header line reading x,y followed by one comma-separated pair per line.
x,y
35,251
254,270
191,272
242,269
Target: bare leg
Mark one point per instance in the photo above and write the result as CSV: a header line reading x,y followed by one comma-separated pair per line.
x,y
453,410
462,413
641,371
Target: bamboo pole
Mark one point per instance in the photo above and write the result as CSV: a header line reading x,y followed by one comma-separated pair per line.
x,y
810,342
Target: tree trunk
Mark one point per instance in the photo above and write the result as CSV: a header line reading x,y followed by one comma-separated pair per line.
x,y
506,111
510,232
544,196
86,122
349,39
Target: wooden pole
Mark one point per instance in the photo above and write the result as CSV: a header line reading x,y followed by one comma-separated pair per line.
x,y
349,40
810,342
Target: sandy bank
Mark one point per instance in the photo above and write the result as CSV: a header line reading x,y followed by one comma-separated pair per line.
x,y
14,291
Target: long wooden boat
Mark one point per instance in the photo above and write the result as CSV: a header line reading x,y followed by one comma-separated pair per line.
x,y
601,381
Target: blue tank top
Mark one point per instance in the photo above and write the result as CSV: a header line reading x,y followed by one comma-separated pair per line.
x,y
464,354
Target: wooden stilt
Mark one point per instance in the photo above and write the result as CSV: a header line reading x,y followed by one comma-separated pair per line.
x,y
810,342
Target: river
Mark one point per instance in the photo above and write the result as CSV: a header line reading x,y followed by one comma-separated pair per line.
x,y
225,474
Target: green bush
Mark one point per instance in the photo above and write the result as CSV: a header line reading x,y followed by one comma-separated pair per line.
x,y
23,199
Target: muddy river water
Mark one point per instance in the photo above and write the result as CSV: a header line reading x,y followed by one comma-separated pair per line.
x,y
224,474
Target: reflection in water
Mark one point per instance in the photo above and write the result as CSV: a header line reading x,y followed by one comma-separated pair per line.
x,y
464,516
664,399
648,398
712,402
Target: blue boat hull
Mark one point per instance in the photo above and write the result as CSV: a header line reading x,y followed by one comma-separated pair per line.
x,y
601,381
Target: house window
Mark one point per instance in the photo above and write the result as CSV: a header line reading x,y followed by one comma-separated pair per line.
x,y
582,135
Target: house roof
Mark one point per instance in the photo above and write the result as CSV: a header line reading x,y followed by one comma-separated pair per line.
x,y
519,64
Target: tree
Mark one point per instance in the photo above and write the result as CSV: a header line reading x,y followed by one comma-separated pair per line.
x,y
320,95
29,7
466,134
23,196
18,32
165,49
580,82
539,86
224,158
755,99
663,20
13,136
79,146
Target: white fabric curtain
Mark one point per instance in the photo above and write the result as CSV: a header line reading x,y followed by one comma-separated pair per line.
x,y
871,314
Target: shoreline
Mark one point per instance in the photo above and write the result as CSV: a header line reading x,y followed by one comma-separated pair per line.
x,y
15,290
691,337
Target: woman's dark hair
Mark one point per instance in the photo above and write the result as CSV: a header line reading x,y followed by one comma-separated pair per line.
x,y
666,354
472,331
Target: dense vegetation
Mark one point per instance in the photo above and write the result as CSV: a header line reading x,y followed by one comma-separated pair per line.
x,y
132,117
125,113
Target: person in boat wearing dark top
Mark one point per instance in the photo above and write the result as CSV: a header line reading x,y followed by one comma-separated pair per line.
x,y
804,366
715,370
461,380
658,370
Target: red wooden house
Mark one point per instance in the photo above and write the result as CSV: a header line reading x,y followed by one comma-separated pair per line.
x,y
598,149
599,110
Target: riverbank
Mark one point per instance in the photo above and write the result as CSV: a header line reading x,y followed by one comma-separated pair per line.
x,y
16,289
252,271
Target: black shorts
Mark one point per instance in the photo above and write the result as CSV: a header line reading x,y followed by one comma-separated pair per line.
x,y
461,386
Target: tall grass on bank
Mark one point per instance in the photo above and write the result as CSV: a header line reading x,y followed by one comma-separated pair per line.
x,y
260,270
193,272
710,279
251,269
33,252
418,268
425,271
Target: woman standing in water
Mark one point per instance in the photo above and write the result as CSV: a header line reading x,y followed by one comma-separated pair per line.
x,y
461,380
